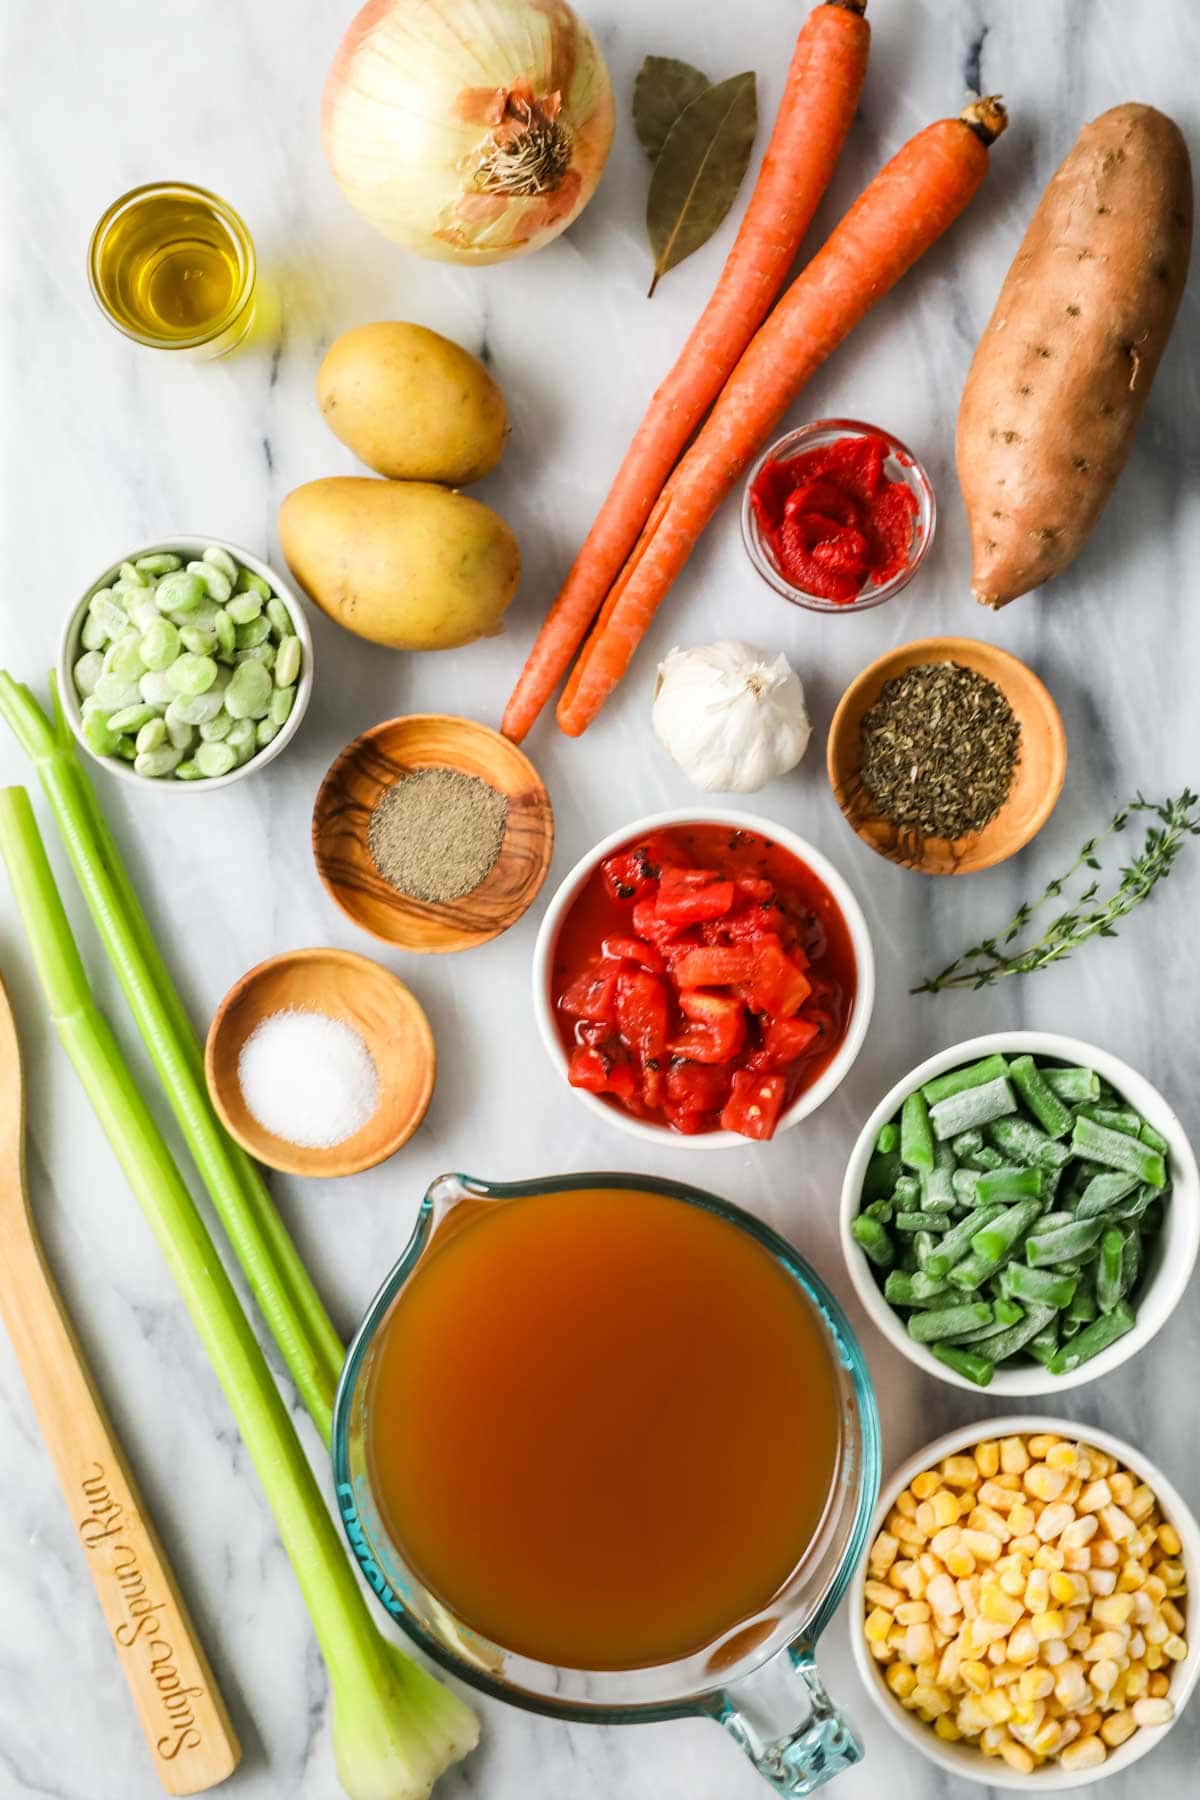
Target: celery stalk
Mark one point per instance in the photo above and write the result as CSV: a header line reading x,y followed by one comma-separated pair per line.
x,y
311,1349
395,1727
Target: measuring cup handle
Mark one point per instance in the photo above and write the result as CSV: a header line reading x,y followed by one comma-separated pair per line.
x,y
759,1711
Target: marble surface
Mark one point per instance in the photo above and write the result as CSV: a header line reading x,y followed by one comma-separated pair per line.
x,y
105,445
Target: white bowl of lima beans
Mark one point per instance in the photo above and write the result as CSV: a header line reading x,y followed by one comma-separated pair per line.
x,y
1066,1645
1021,1213
186,664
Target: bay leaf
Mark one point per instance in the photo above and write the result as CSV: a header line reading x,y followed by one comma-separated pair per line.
x,y
664,86
699,170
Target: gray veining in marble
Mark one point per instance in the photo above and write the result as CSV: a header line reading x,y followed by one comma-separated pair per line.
x,y
105,445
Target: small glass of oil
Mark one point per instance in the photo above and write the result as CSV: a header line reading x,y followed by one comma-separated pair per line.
x,y
172,266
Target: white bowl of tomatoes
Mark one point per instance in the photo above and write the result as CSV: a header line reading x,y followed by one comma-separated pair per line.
x,y
703,978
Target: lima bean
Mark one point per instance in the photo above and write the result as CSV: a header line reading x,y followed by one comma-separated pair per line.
x,y
244,607
160,644
215,759
87,671
158,762
217,584
248,695
180,591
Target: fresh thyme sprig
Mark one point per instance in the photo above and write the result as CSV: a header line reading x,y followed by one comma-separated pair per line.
x,y
1090,914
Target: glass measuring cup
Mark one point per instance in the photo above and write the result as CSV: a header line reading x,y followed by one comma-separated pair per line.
x,y
759,1679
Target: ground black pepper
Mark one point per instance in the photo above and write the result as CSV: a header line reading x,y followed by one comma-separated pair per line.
x,y
938,750
436,833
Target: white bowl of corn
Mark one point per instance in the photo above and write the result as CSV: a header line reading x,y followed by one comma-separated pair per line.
x,y
1021,1615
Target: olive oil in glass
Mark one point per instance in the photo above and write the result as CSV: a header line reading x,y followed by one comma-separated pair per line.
x,y
172,266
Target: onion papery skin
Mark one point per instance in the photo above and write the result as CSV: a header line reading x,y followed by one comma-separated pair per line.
x,y
429,102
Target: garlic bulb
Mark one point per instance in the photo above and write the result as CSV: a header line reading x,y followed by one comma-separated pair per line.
x,y
730,716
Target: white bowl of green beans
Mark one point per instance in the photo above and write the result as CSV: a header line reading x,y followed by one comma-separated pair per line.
x,y
264,641
1021,1213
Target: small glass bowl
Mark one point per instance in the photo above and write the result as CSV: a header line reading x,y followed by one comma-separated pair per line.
x,y
901,465
219,335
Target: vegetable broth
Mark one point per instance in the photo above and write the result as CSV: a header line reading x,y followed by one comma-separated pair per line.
x,y
602,1426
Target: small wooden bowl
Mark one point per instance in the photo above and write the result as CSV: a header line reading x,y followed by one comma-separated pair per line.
x,y
370,999
366,768
1037,779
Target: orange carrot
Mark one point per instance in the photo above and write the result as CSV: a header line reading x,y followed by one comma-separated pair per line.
x,y
905,209
823,85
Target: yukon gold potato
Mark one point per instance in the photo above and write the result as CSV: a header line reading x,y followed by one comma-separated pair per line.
x,y
1063,370
402,563
411,404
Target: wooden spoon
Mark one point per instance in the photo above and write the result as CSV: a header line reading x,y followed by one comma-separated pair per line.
x,y
183,1716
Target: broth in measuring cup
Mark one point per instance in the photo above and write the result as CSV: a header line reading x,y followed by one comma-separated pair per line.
x,y
602,1425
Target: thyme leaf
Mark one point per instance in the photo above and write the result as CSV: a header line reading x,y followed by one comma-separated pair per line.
x,y
1090,914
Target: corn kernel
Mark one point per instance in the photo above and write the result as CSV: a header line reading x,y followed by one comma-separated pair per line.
x,y
997,1655
1026,1545
879,1593
1014,1457
1047,1738
985,1518
933,1514
901,1679
1090,1721
1153,1712
1022,1643
1171,1573
1094,1496
1140,1504
1055,1651
1137,1680
918,1643
1077,1561
925,1485
912,1612
1018,1757
878,1624
1156,1630
1157,1686
1168,1540
1116,1610
1044,1483
1117,1524
1117,1727
977,1676
991,1738
1049,1624
1175,1648
996,1705
1155,1589
1064,1456
884,1551
987,1457
1012,1582
1021,1519
1041,1443
1105,1553
942,1595
1080,1532
983,1545
1070,1687
998,1607
960,1471
1080,1639
930,1700
1104,1675
947,1669
1048,1556
1054,1519
1084,1753
911,1577
946,1729
1153,1656
1037,1591
1102,1581
906,1505
1122,1485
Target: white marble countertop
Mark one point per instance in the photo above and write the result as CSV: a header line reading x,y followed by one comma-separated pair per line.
x,y
106,445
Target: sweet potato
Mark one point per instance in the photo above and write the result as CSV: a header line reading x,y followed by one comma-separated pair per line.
x,y
1063,370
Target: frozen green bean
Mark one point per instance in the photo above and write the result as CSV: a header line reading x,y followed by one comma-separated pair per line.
x,y
1093,1339
1027,1143
969,1363
1118,1151
972,1107
916,1139
922,1221
926,1327
1012,1181
1040,1099
956,1243
1103,1191
1063,1244
956,1081
873,1240
1044,1286
1073,1086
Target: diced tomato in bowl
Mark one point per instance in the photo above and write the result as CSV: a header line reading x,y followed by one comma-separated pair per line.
x,y
702,978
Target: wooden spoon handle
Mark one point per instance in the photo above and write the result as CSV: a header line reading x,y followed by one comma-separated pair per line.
x,y
183,1716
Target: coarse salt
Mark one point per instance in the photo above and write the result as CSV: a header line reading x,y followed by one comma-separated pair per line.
x,y
308,1078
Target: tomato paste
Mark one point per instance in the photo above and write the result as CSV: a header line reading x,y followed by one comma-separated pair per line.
x,y
832,518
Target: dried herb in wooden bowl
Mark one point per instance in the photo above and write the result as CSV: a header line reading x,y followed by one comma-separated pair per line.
x,y
436,833
938,750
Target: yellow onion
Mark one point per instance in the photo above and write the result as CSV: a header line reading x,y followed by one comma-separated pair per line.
x,y
469,130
